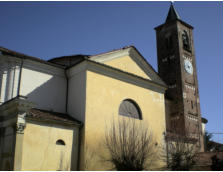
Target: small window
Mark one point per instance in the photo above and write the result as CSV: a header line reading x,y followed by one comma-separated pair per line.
x,y
60,142
130,108
192,105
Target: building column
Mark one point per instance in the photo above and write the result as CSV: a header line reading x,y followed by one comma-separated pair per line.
x,y
20,126
12,114
3,86
10,82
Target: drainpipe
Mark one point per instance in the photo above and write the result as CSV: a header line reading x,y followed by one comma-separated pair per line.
x,y
66,91
80,128
79,147
20,76
13,82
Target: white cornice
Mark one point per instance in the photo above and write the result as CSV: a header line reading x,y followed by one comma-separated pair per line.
x,y
77,69
41,67
110,55
17,104
143,64
33,65
124,76
133,53
115,73
10,61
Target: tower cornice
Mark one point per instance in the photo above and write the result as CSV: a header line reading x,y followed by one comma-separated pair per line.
x,y
171,22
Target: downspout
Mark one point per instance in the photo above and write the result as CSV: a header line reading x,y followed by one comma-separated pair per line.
x,y
79,148
66,91
79,130
12,91
20,76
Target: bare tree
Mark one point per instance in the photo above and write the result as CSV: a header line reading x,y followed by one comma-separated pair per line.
x,y
181,153
90,158
208,141
131,145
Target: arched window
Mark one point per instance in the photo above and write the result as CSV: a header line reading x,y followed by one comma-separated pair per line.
x,y
186,41
60,142
130,108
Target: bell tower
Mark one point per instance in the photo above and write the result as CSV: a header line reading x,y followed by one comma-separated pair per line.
x,y
177,67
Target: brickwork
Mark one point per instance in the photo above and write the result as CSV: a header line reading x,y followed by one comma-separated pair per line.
x,y
204,159
177,67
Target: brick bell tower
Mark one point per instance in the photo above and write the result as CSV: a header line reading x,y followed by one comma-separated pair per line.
x,y
177,67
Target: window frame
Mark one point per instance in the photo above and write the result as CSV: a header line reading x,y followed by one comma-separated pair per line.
x,y
136,106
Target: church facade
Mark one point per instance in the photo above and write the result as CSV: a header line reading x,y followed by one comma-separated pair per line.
x,y
53,114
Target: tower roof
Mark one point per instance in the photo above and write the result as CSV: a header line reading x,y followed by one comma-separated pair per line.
x,y
172,14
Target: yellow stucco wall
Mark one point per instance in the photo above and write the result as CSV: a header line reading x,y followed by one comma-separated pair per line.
x,y
127,64
104,96
40,151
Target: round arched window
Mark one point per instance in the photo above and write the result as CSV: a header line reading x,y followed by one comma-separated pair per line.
x,y
60,142
130,108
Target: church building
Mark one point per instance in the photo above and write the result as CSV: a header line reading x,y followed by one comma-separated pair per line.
x,y
53,114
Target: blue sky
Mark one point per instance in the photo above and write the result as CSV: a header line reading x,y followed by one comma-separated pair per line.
x,y
52,29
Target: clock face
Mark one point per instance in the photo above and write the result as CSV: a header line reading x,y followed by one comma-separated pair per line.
x,y
188,66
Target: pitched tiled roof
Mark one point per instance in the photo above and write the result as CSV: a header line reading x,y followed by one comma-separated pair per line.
x,y
6,51
68,57
75,59
52,116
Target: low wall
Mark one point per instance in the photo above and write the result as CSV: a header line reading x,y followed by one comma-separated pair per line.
x,y
204,159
